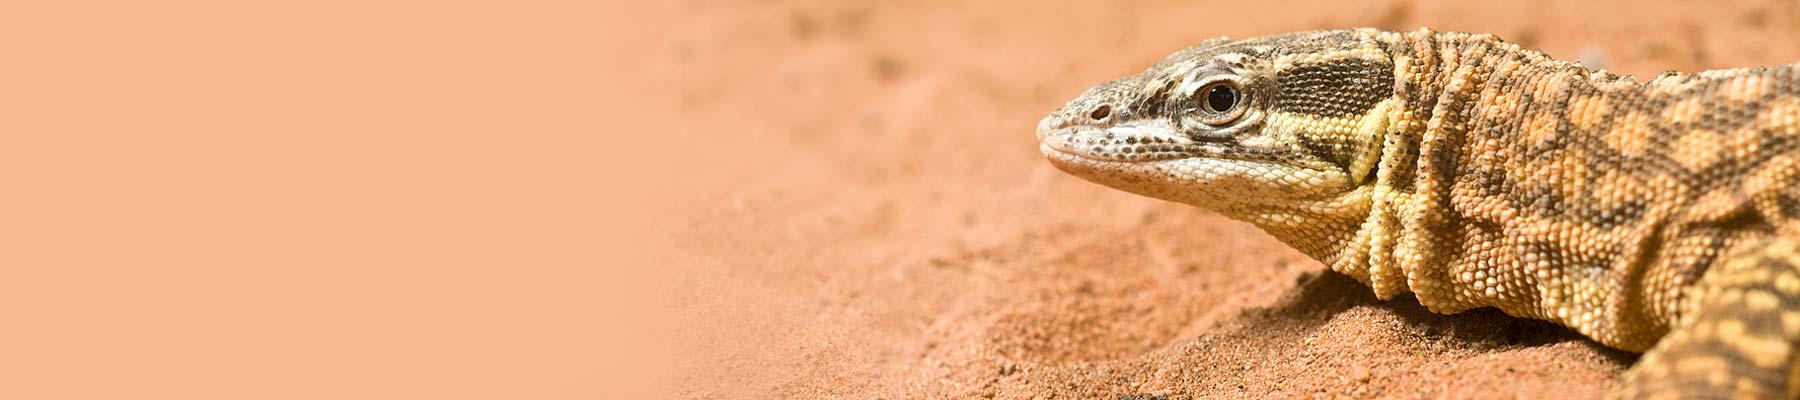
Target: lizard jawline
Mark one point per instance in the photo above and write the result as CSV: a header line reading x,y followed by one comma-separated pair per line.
x,y
1129,144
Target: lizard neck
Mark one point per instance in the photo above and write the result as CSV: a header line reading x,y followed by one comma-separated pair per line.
x,y
1504,169
1413,235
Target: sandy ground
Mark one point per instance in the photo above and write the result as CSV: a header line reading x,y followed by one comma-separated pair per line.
x,y
864,213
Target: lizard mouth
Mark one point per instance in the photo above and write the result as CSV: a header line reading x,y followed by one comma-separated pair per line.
x,y
1122,143
1151,141
1152,158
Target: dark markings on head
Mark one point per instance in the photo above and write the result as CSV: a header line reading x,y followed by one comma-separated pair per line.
x,y
1156,101
1336,88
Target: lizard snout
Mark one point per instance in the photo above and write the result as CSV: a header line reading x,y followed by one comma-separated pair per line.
x,y
1074,115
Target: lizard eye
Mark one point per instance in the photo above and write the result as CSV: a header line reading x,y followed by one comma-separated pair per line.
x,y
1222,103
1221,98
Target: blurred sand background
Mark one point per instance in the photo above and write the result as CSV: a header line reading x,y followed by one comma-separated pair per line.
x,y
879,223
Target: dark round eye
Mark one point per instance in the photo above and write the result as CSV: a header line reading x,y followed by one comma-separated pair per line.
x,y
1221,98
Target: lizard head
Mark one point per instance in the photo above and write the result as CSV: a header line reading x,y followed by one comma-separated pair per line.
x,y
1278,121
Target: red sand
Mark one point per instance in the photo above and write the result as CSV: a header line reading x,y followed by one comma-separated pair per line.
x,y
874,220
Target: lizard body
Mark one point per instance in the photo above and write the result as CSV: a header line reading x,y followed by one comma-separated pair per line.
x,y
1659,216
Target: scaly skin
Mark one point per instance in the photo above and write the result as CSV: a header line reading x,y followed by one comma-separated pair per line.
x,y
1659,217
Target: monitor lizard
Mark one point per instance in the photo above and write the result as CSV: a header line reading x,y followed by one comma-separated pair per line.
x,y
1660,217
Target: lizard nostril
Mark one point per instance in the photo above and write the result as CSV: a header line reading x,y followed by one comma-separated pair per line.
x,y
1101,112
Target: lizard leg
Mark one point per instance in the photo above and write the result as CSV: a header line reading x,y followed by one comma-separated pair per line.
x,y
1738,334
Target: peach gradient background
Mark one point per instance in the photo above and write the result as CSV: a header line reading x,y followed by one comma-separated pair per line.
x,y
325,199
453,200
